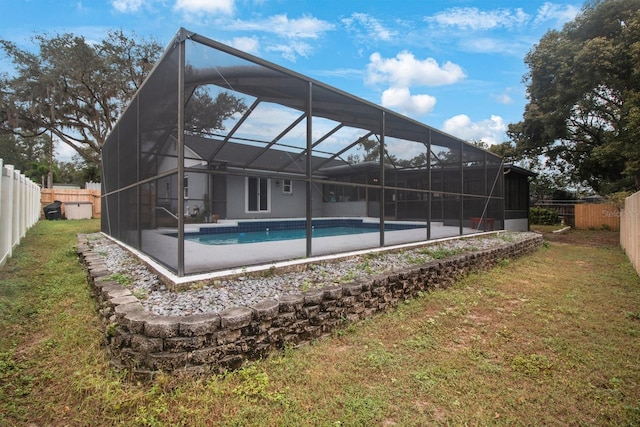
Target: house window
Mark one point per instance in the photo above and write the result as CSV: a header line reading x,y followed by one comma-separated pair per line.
x,y
257,194
287,186
186,187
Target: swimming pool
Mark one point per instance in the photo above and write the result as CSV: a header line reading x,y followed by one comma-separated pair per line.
x,y
269,231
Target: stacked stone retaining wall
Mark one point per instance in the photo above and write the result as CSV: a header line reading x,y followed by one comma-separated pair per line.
x,y
145,343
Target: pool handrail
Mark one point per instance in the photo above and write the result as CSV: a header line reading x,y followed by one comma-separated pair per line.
x,y
167,211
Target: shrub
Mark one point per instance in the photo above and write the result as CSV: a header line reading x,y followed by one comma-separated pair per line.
x,y
543,216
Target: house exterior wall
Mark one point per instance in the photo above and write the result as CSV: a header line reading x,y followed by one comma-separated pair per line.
x,y
197,189
281,205
350,209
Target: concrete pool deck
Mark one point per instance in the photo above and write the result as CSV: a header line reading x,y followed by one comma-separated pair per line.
x,y
206,262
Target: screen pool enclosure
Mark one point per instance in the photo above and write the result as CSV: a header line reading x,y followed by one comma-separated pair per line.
x,y
218,140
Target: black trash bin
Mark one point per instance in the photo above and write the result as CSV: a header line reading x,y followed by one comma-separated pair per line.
x,y
53,210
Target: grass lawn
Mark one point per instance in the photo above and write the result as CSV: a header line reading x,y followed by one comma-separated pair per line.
x,y
549,339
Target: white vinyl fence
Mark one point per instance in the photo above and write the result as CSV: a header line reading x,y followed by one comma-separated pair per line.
x,y
19,208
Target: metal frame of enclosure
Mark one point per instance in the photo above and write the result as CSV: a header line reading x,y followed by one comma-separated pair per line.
x,y
293,148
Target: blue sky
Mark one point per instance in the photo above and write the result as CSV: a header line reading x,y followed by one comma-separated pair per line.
x,y
456,65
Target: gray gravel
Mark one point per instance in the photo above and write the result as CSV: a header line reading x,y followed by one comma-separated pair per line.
x,y
249,290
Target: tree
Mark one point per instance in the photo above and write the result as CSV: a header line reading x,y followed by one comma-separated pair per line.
x,y
77,90
583,86
72,88
30,155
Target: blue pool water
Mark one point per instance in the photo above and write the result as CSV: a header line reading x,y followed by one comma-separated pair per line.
x,y
262,231
270,236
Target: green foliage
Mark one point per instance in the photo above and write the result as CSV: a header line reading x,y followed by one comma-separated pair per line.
x,y
532,365
438,252
254,385
543,216
618,198
74,88
584,98
123,279
77,89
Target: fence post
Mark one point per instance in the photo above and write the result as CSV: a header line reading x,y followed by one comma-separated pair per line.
x,y
7,213
3,216
19,208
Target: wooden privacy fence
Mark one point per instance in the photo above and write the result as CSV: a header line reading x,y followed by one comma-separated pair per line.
x,y
630,229
19,208
69,196
598,215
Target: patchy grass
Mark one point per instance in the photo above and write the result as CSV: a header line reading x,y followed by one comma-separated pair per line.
x,y
553,337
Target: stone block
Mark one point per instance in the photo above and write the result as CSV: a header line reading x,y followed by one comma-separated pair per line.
x,y
285,319
134,321
209,355
99,272
183,343
117,293
333,292
352,289
142,344
123,309
290,303
347,301
126,299
199,324
311,312
266,310
161,326
313,297
235,318
329,305
311,333
228,336
167,362
357,308
105,287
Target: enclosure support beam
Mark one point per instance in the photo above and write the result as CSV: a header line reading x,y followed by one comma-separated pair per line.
x,y
181,65
382,181
309,224
430,193
461,188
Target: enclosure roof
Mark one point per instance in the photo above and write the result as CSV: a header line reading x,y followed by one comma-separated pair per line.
x,y
272,83
517,169
248,156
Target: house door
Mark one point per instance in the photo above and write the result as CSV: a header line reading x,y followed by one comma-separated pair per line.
x,y
257,194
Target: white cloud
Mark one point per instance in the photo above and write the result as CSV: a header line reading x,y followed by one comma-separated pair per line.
x,y
127,6
401,100
503,99
471,18
492,131
292,50
555,12
492,46
307,27
292,30
405,70
373,28
225,7
246,44
63,152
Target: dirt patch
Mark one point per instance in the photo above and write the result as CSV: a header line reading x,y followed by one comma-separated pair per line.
x,y
600,238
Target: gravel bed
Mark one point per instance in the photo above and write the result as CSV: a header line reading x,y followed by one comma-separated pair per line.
x,y
251,289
